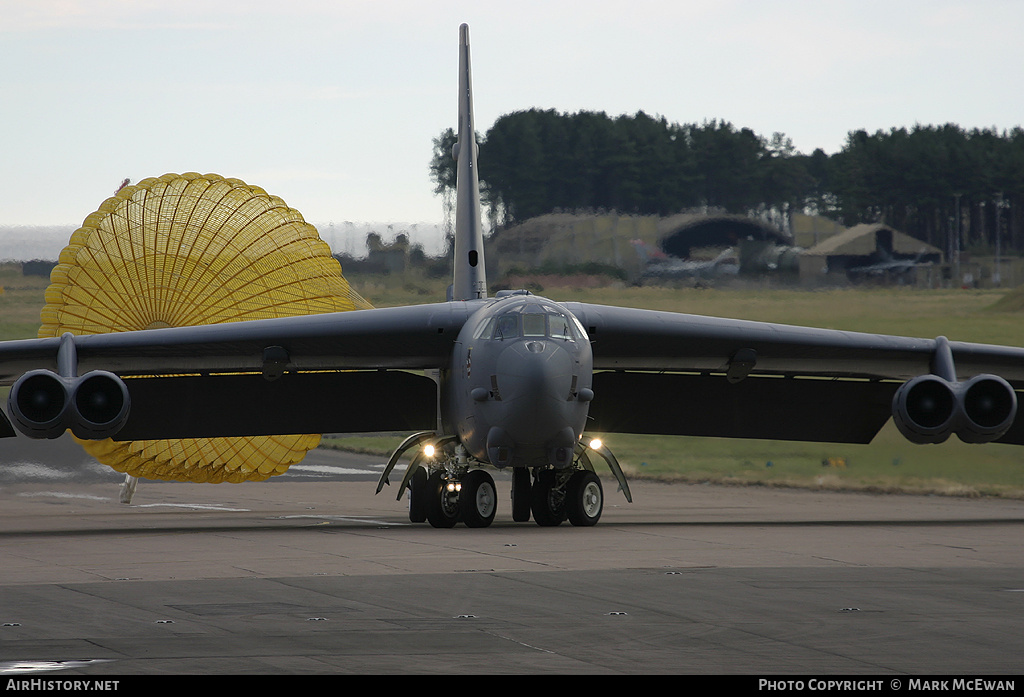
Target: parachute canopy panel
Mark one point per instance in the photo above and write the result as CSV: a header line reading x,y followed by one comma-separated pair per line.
x,y
185,250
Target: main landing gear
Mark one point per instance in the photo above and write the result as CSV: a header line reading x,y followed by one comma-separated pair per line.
x,y
472,500
553,497
570,494
443,490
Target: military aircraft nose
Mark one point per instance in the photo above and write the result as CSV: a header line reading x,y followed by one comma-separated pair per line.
x,y
535,379
535,367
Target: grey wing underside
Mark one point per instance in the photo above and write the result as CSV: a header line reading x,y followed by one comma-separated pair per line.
x,y
669,373
344,372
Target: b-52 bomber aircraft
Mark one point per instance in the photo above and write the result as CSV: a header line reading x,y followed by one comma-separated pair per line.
x,y
512,381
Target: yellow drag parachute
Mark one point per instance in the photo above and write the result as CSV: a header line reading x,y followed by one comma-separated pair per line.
x,y
190,249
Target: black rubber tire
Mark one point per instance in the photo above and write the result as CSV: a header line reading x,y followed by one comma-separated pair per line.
x,y
547,504
418,496
584,498
478,500
521,494
441,513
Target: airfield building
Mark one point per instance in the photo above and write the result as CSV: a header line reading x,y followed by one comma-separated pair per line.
x,y
867,252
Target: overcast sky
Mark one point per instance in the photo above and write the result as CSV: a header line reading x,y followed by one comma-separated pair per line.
x,y
332,105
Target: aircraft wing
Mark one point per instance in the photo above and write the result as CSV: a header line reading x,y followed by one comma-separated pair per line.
x,y
338,372
670,373
411,337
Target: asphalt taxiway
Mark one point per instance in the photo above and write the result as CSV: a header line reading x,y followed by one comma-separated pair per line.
x,y
318,575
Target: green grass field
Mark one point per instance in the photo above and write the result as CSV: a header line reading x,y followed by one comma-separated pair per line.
x,y
20,302
888,464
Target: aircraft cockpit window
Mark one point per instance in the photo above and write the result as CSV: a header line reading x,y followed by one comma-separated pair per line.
x,y
507,326
581,333
563,326
532,321
485,329
560,327
534,325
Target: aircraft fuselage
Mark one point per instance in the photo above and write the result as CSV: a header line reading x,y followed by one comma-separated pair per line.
x,y
520,383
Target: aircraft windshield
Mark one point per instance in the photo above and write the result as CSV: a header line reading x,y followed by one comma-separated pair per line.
x,y
534,325
531,321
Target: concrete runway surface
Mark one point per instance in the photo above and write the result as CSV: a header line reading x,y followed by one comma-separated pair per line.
x,y
308,575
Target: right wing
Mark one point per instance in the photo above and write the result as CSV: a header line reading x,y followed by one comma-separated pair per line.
x,y
673,373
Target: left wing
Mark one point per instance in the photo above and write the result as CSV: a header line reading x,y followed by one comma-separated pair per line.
x,y
671,373
335,372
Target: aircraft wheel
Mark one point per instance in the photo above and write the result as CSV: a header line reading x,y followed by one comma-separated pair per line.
x,y
478,500
546,501
418,496
520,494
584,498
442,507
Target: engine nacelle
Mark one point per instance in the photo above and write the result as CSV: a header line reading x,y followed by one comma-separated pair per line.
x,y
40,404
45,405
101,404
988,406
928,409
924,409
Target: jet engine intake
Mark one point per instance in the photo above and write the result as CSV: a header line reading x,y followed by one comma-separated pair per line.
x,y
39,404
928,409
101,404
989,406
45,405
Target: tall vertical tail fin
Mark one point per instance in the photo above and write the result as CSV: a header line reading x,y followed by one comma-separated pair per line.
x,y
470,277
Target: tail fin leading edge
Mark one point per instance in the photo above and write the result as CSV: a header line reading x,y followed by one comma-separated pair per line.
x,y
470,278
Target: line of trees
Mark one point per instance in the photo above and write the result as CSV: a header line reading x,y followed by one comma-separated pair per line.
x,y
917,180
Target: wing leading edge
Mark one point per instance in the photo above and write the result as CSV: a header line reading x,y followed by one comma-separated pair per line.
x,y
413,337
631,339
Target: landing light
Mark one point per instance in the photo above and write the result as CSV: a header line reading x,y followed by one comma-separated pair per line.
x,y
428,451
454,486
595,444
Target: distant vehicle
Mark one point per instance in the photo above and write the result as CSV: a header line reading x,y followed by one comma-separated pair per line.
x,y
655,264
888,266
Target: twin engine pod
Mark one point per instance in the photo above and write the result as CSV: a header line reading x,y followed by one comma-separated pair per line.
x,y
44,404
929,408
